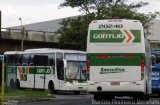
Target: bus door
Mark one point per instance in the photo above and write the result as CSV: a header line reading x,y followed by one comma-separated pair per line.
x,y
60,74
59,84
40,62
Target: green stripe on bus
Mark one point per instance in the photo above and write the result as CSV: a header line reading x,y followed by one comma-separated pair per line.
x,y
25,77
114,36
115,60
137,34
38,70
110,36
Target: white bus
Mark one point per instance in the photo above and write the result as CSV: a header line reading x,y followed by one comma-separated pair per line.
x,y
118,59
52,69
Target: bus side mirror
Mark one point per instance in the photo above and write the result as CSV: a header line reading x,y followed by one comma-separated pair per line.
x,y
65,63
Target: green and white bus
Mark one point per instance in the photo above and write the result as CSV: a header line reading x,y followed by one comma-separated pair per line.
x,y
118,59
53,69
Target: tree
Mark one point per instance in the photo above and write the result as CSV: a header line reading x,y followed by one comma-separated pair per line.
x,y
74,29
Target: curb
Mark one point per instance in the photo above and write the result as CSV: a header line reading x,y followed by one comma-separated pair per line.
x,y
12,100
34,100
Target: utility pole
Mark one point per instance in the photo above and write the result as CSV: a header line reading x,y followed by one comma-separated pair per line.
x,y
22,34
2,87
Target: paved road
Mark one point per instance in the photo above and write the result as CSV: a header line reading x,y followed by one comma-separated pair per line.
x,y
85,99
65,99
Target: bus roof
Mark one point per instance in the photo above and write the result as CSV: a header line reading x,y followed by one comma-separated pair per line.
x,y
74,51
41,49
96,24
44,50
12,52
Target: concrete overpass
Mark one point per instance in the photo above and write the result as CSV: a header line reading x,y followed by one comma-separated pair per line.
x,y
10,40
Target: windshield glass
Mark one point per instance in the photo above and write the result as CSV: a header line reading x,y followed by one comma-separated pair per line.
x,y
157,58
76,70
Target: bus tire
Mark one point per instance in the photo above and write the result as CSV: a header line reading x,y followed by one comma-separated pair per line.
x,y
51,87
76,92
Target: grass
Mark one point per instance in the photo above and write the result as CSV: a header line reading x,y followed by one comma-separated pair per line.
x,y
28,94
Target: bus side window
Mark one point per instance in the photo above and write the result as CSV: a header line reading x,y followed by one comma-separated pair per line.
x,y
11,59
40,60
60,66
19,60
51,59
25,59
31,60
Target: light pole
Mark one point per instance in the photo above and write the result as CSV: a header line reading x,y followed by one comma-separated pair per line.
x,y
22,34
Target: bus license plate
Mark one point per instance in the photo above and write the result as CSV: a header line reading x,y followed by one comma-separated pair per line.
x,y
115,83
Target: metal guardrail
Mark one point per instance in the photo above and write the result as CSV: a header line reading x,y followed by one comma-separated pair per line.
x,y
30,35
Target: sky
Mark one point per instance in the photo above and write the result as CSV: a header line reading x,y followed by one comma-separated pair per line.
x,y
33,11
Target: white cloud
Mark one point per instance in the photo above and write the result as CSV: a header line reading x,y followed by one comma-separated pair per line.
x,y
29,2
154,5
32,11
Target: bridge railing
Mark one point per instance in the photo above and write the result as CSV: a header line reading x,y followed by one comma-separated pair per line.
x,y
28,31
31,35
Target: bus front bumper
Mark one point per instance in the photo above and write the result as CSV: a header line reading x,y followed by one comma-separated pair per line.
x,y
76,87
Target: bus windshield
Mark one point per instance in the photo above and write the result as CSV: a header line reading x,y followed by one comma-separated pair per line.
x,y
76,70
157,58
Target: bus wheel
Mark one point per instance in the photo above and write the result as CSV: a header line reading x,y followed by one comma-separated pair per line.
x,y
76,92
51,87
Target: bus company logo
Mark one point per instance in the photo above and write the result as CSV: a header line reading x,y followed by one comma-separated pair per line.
x,y
42,71
113,36
114,70
117,36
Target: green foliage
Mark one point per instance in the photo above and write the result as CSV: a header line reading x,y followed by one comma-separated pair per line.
x,y
74,30
28,94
